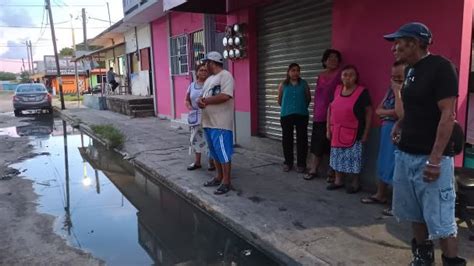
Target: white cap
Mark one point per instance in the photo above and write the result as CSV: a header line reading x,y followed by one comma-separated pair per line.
x,y
214,56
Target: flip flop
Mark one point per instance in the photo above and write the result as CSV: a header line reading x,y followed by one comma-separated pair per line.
x,y
212,183
222,189
334,186
353,190
372,200
310,176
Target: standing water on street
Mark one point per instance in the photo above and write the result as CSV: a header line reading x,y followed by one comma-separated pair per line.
x,y
105,206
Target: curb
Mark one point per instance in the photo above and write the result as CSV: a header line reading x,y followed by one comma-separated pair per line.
x,y
247,235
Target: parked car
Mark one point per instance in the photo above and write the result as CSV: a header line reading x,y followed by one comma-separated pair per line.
x,y
31,96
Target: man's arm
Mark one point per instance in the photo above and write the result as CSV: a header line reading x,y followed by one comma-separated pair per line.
x,y
217,99
445,128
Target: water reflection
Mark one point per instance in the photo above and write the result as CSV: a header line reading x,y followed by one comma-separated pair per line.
x,y
171,230
117,213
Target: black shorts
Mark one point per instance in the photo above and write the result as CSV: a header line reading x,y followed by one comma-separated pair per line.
x,y
319,143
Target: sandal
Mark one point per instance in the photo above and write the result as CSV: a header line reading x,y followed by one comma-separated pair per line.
x,y
372,200
193,166
310,176
353,190
334,186
212,183
222,189
286,168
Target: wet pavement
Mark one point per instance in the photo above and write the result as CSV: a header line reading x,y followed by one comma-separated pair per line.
x,y
106,207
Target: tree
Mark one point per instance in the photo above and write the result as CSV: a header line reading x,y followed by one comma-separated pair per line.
x,y
7,75
66,51
25,77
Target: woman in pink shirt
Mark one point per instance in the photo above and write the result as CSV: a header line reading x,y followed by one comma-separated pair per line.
x,y
326,84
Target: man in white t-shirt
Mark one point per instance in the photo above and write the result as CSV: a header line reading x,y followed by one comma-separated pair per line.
x,y
217,103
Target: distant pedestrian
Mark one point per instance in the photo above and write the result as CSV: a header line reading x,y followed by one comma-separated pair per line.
x,y
386,157
197,142
349,119
111,79
326,84
423,182
217,103
294,98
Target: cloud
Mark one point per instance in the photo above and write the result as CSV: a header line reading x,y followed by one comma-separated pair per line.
x,y
16,50
15,17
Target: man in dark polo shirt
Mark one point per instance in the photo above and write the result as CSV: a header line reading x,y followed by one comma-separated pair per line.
x,y
423,182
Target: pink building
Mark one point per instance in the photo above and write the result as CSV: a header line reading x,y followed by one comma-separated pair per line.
x,y
277,33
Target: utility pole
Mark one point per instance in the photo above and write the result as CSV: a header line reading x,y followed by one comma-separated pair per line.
x,y
28,57
75,63
56,57
108,11
32,62
84,29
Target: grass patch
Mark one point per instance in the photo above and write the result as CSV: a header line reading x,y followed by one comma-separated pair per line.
x,y
110,133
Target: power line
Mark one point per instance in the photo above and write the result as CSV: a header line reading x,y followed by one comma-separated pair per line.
x,y
39,27
72,5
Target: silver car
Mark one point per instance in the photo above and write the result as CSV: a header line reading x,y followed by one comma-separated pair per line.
x,y
31,96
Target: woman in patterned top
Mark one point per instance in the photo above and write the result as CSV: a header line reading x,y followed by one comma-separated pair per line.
x,y
197,142
386,158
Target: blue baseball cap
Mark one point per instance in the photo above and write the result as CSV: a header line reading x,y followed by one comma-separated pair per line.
x,y
413,29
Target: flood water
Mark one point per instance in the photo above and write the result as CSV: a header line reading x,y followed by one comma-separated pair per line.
x,y
105,206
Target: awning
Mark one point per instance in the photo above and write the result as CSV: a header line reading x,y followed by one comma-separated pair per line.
x,y
210,6
96,52
196,6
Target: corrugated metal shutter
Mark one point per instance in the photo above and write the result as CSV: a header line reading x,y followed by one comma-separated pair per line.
x,y
289,31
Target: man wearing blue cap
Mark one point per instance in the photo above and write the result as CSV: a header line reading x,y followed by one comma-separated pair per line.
x,y
217,103
423,182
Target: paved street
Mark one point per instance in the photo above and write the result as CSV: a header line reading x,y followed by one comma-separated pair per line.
x,y
295,220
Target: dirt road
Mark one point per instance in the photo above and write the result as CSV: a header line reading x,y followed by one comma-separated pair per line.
x,y
27,237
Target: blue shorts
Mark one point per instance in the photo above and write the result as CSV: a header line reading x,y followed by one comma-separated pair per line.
x,y
431,203
220,143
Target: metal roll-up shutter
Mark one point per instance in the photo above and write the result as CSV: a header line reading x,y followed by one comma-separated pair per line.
x,y
289,31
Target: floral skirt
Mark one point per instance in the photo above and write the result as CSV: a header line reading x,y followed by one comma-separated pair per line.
x,y
347,160
197,141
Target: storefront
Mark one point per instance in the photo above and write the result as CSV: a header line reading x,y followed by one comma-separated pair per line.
x,y
283,40
137,48
278,33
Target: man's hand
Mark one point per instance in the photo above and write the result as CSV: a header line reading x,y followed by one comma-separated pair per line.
x,y
431,172
201,103
396,132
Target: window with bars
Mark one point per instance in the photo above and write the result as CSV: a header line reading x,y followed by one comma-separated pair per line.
x,y
198,51
179,55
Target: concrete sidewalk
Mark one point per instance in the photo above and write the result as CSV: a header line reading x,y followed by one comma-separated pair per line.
x,y
290,219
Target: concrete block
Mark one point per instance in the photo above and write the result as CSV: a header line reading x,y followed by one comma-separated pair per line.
x,y
95,102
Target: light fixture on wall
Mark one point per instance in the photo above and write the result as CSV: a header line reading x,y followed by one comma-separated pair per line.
x,y
234,42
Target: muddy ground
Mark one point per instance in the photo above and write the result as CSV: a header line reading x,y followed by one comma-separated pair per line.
x,y
26,237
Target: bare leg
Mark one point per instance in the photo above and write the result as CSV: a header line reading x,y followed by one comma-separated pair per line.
x,y
449,246
338,178
420,232
220,171
226,167
355,180
211,163
197,159
381,193
313,168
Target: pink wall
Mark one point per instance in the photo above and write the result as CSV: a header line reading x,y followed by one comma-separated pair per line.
x,y
184,23
245,70
159,29
359,37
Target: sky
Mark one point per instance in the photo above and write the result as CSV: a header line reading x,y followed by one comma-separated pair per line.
x,y
22,20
